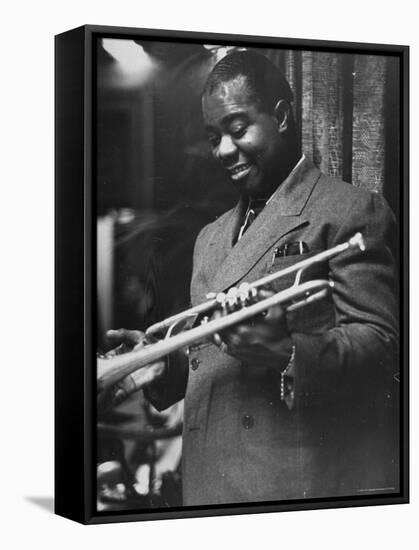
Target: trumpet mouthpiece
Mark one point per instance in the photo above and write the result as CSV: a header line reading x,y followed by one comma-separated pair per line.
x,y
357,241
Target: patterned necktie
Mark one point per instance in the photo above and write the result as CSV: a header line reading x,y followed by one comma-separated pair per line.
x,y
253,210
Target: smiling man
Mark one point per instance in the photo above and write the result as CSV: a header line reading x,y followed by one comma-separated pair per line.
x,y
252,137
331,430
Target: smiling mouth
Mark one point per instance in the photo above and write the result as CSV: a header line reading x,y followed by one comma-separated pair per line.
x,y
240,171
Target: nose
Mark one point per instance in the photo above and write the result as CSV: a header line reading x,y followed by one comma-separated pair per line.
x,y
226,149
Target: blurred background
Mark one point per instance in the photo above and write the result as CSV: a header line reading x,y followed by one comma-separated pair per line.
x,y
157,186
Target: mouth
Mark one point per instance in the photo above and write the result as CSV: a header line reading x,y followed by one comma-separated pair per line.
x,y
239,172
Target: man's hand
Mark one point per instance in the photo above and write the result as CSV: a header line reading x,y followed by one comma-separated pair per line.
x,y
264,340
124,341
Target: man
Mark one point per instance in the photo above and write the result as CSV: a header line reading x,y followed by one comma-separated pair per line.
x,y
330,431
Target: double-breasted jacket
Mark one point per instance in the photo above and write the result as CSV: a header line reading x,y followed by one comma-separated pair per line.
x,y
241,443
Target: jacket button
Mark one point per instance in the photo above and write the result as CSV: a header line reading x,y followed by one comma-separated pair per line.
x,y
195,363
248,421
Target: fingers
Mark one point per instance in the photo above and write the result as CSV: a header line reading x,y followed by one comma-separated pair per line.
x,y
263,328
147,374
123,340
217,339
235,337
124,336
226,340
274,313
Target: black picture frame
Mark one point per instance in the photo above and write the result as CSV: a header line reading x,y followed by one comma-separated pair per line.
x,y
75,307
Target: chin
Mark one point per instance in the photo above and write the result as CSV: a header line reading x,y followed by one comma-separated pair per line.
x,y
243,188
251,189
247,186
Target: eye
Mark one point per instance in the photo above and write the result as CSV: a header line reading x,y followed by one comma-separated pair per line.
x,y
213,140
238,131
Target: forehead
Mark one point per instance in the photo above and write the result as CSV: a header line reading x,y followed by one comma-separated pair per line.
x,y
227,100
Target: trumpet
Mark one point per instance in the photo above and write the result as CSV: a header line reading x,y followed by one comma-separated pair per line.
x,y
237,305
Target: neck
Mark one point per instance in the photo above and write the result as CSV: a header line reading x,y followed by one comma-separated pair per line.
x,y
278,176
292,158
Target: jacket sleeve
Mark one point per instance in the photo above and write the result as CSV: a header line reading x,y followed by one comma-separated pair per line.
x,y
171,386
360,352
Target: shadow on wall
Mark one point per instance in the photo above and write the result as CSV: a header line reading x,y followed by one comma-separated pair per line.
x,y
46,503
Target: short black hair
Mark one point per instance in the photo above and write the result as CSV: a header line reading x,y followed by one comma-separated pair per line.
x,y
266,84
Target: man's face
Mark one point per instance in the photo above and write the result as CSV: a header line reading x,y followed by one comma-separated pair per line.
x,y
246,140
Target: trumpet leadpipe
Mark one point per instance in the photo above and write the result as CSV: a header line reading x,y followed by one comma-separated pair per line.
x,y
356,241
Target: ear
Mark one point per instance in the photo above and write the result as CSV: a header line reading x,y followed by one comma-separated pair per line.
x,y
282,114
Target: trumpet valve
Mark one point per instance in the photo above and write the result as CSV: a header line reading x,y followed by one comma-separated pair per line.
x,y
221,302
246,294
236,298
244,288
232,299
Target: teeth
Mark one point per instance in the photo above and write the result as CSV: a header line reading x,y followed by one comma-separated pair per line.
x,y
239,169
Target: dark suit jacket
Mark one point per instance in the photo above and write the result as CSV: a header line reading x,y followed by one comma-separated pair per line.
x,y
241,443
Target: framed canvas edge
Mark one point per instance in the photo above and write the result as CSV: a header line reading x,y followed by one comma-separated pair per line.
x,y
293,43
84,448
70,254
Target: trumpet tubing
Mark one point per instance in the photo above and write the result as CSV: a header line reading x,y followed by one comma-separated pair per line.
x,y
356,241
110,371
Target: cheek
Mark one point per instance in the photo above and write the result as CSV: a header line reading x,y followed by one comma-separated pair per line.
x,y
253,146
261,142
270,147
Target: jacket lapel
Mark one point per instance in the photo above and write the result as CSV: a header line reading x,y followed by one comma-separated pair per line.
x,y
283,213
